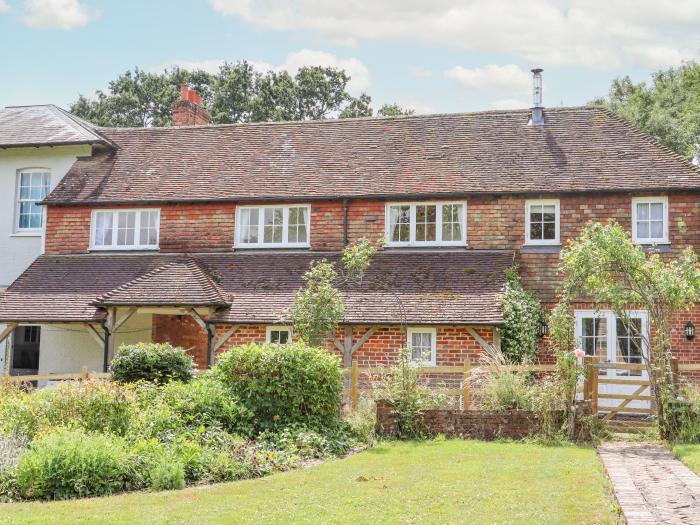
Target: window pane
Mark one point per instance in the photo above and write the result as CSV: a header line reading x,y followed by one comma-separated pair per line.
x,y
126,222
421,346
272,232
535,230
642,211
426,222
103,229
642,229
399,219
656,211
33,187
452,222
656,229
549,231
249,225
148,235
296,229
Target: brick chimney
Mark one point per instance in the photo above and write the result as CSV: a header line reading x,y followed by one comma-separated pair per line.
x,y
188,111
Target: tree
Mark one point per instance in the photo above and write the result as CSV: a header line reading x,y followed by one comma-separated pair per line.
x,y
668,109
394,110
604,265
318,309
237,93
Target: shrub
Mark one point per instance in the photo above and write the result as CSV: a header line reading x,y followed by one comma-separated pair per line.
x,y
73,463
284,385
408,397
507,391
154,362
9,491
168,475
309,444
94,405
522,317
362,421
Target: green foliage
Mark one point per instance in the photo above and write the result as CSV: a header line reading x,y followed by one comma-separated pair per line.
x,y
168,476
507,391
686,408
154,362
522,317
284,385
307,443
394,110
408,397
362,421
73,464
604,265
236,93
668,109
99,406
318,308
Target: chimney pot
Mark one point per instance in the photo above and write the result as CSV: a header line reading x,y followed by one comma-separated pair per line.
x,y
188,111
537,109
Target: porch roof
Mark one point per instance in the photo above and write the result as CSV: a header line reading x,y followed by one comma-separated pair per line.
x,y
416,287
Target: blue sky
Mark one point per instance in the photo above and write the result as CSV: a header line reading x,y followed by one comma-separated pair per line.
x,y
433,55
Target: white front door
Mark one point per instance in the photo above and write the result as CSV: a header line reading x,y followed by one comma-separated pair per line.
x,y
602,334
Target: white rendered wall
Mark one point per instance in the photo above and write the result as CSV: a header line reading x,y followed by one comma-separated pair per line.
x,y
18,251
67,348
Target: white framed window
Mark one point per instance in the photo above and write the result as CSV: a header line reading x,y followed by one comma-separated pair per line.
x,y
650,220
33,186
542,221
279,334
426,223
125,229
422,342
273,226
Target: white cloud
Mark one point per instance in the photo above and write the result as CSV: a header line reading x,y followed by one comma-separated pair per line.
x,y
359,81
510,78
420,72
509,103
4,6
56,14
598,34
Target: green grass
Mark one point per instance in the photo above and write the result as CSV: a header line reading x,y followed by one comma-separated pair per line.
x,y
433,482
689,454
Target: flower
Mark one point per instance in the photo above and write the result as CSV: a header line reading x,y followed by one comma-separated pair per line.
x,y
579,352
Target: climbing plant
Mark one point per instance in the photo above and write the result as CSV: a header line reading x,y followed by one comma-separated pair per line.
x,y
523,316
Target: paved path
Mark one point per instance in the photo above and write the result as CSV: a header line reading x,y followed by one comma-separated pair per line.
x,y
651,485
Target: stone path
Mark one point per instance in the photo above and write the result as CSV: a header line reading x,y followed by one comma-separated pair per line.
x,y
651,485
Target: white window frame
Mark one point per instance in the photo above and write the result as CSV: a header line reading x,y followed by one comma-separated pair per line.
x,y
137,228
438,224
277,328
609,315
285,227
16,229
542,242
656,199
433,340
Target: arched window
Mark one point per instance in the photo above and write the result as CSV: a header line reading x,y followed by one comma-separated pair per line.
x,y
32,187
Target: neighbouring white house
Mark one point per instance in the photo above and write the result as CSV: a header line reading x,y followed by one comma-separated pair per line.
x,y
38,145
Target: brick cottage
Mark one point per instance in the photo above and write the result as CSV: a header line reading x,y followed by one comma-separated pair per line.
x,y
200,234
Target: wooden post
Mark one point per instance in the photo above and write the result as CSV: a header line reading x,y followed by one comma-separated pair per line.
x,y
594,387
354,385
587,360
85,375
674,371
466,397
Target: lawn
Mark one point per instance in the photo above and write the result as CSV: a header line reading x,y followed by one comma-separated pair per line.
x,y
689,454
433,482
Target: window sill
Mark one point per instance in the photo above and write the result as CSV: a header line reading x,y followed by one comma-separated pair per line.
x,y
267,248
122,250
540,248
26,234
662,247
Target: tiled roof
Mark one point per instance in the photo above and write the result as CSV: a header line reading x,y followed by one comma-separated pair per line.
x,y
179,283
577,150
448,287
44,125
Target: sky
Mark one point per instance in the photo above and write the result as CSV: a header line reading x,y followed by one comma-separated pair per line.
x,y
430,55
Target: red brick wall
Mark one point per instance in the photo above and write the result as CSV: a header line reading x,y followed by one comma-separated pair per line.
x,y
454,343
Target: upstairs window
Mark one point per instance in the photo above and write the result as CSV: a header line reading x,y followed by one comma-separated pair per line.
x,y
426,224
650,220
272,226
542,221
125,229
32,187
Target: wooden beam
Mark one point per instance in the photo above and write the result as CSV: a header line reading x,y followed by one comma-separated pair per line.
x,y
94,333
123,319
369,333
8,351
339,345
7,331
482,342
219,341
202,324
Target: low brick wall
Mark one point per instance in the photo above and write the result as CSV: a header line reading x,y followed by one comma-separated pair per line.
x,y
479,424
